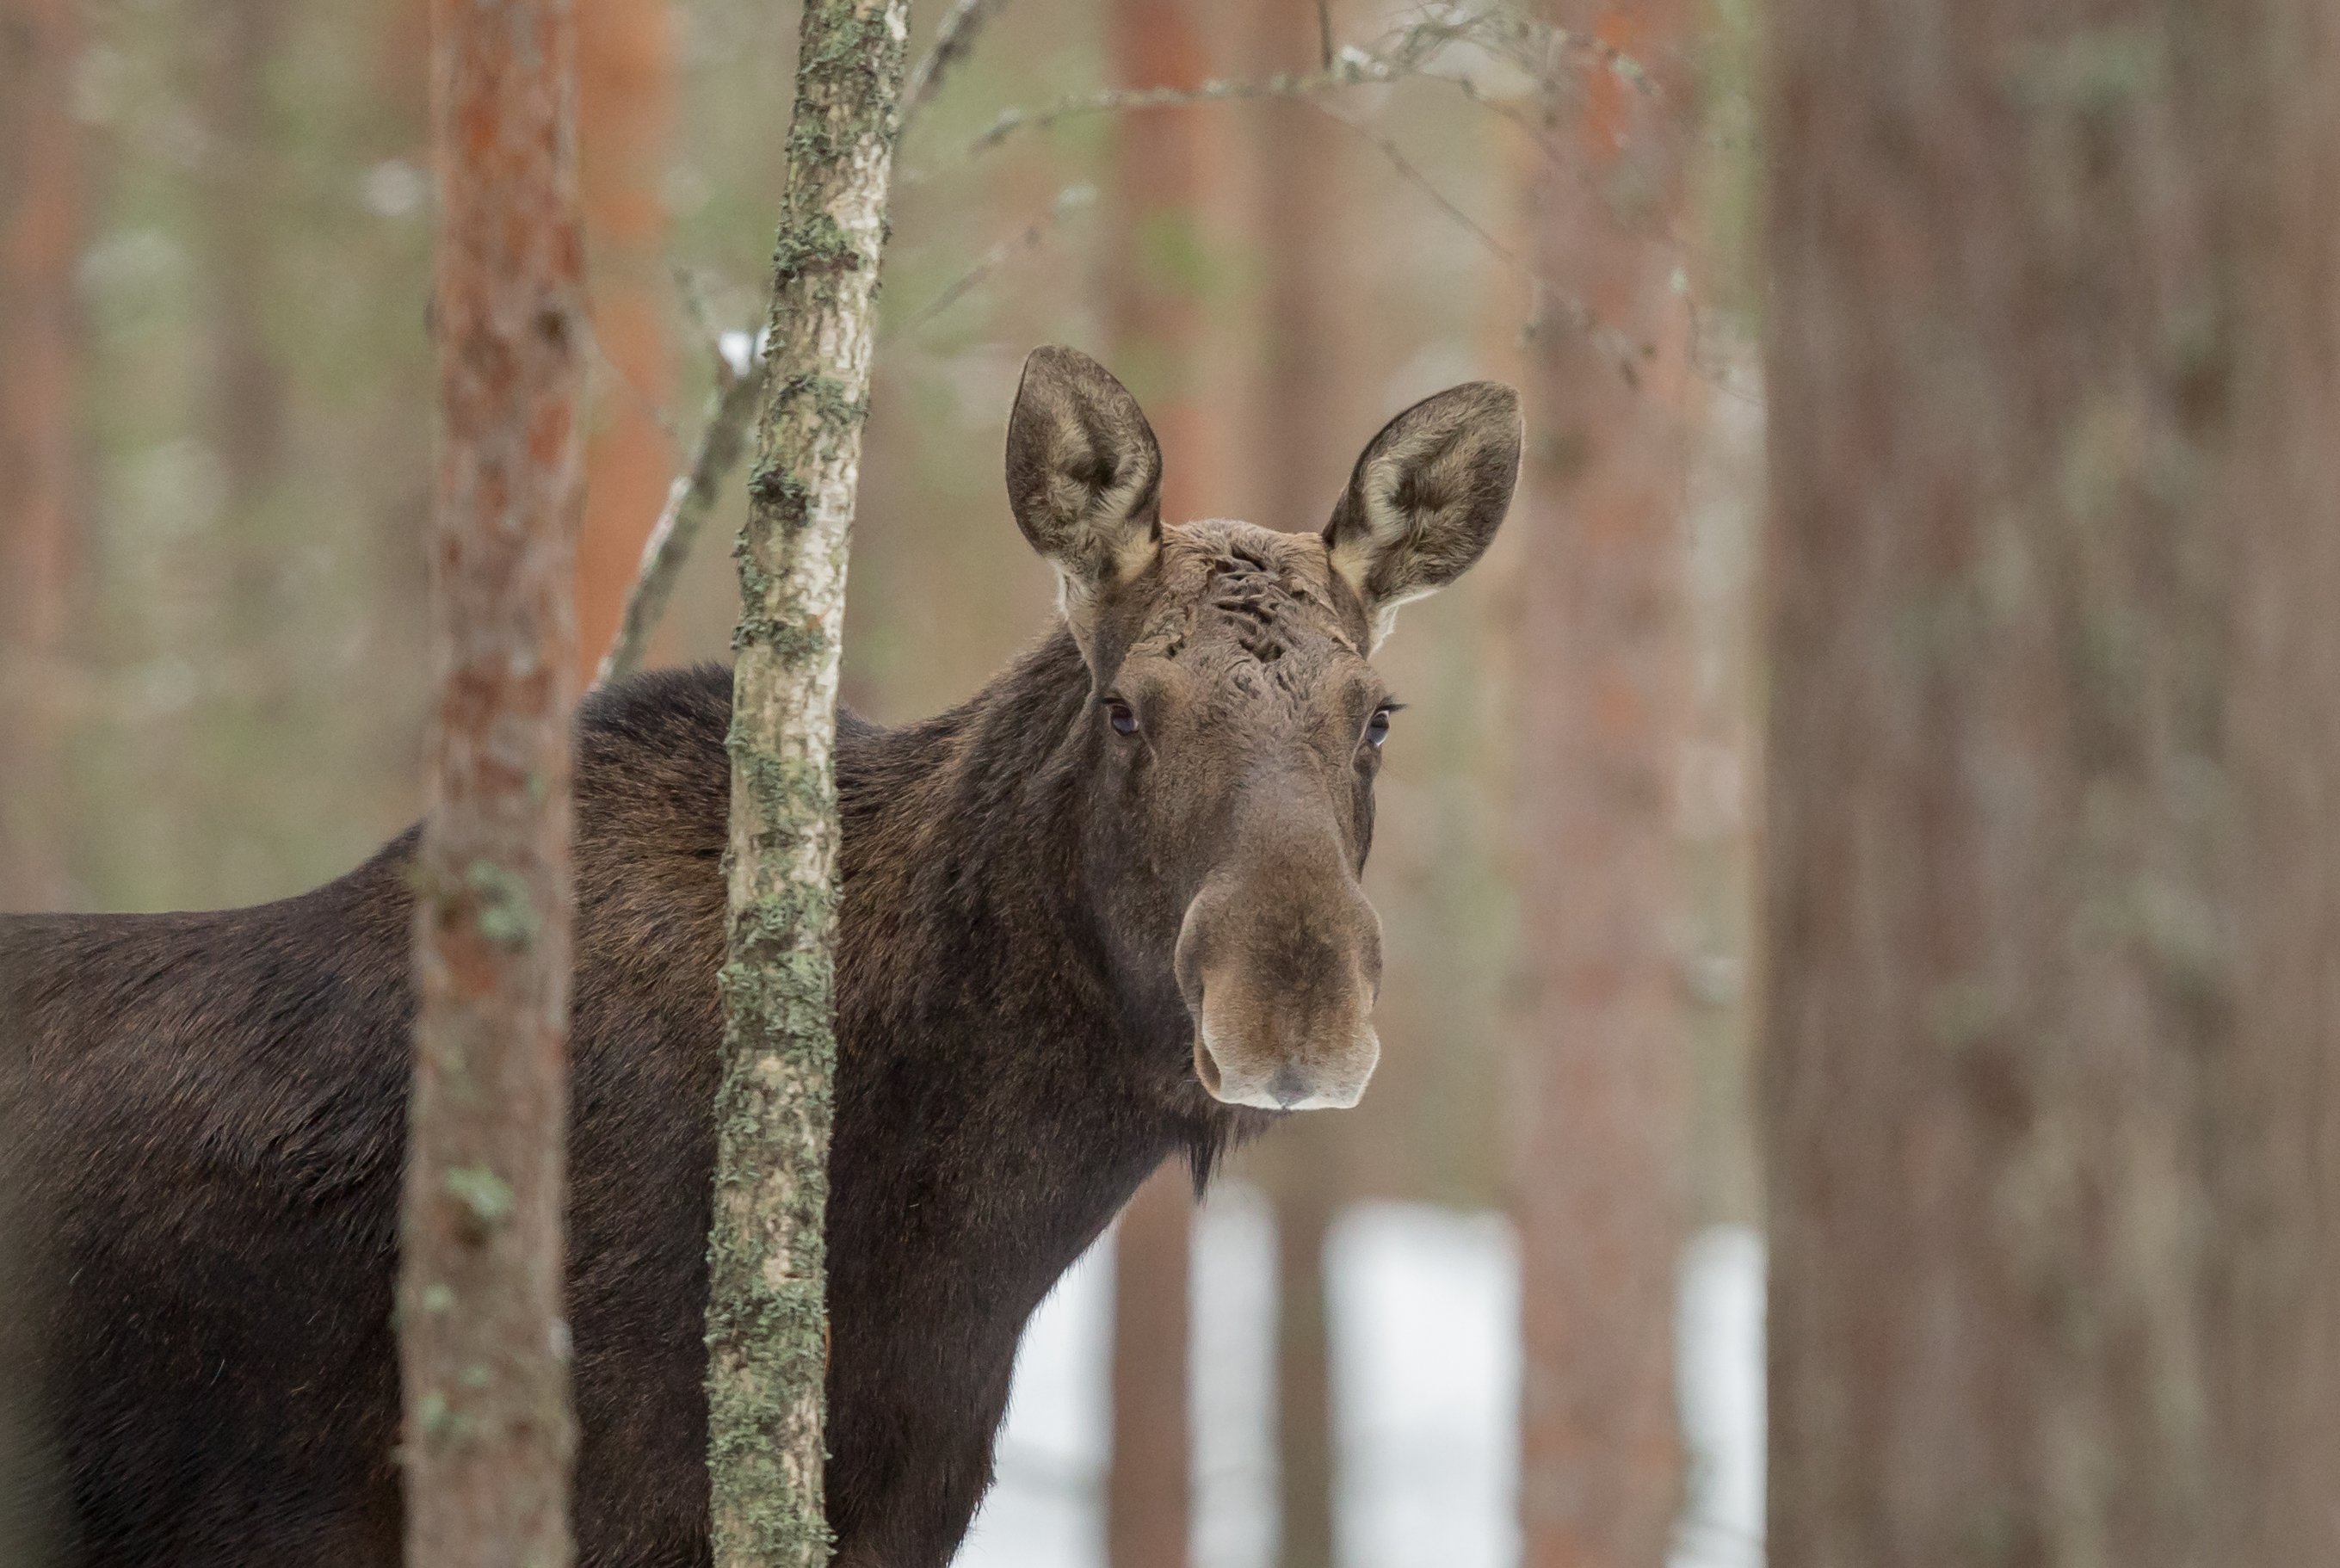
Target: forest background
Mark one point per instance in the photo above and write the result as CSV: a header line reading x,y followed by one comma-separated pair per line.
x,y
218,416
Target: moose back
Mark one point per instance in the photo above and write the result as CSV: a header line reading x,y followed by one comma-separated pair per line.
x,y
1104,913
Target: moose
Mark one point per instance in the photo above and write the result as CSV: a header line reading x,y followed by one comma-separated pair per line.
x,y
1105,914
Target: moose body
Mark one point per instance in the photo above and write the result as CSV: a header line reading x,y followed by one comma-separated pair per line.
x,y
1102,914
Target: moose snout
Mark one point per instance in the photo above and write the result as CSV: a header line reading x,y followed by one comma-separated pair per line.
x,y
1280,979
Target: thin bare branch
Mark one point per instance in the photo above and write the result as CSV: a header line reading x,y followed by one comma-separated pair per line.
x,y
954,41
1070,200
1556,303
1407,55
722,438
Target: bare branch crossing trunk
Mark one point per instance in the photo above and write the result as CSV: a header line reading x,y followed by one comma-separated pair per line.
x,y
767,1318
483,1349
2055,764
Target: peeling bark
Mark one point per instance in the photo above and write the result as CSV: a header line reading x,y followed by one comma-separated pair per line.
x,y
483,1350
767,1329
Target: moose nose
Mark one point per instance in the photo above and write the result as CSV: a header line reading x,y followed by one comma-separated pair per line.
x,y
1245,1066
1280,992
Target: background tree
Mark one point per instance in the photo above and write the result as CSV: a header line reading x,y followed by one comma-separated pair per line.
x,y
1599,1185
766,1314
2054,346
1154,321
40,231
625,105
483,1352
1302,426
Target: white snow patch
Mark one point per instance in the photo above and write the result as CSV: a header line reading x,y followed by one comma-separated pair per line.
x,y
1424,1324
1232,1379
1719,1376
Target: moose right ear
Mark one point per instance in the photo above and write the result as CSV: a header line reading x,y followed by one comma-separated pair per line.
x,y
1084,475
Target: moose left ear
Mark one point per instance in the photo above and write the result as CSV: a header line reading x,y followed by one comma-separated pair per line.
x,y
1426,497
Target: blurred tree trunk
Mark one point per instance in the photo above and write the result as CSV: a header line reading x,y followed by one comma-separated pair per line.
x,y
483,1354
625,92
1298,460
767,1310
2055,765
1154,318
1149,1487
1599,1184
40,224
246,401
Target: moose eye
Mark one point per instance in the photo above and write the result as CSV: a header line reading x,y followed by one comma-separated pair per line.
x,y
1378,727
1121,716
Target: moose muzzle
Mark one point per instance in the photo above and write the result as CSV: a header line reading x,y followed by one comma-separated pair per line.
x,y
1280,960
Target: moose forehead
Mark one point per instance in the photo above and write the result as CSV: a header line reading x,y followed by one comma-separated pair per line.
x,y
1244,602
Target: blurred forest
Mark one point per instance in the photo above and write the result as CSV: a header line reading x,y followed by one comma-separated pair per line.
x,y
2001,574
219,411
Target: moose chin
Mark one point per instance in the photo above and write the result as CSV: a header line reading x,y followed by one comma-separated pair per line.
x,y
1105,914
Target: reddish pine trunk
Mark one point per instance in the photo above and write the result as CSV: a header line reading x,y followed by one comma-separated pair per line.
x,y
1302,442
1606,713
1148,1487
483,1347
626,105
2054,766
1155,322
39,235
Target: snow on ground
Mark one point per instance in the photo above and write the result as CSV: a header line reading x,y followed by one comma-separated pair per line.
x,y
1424,1312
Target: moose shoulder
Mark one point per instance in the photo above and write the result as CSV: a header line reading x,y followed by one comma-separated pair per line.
x,y
1105,913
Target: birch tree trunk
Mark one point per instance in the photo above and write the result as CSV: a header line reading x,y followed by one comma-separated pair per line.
x,y
2053,892
767,1324
483,1349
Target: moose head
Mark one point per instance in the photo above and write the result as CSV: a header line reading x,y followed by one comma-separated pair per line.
x,y
1236,722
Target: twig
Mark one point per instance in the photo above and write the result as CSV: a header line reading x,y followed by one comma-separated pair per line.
x,y
954,41
1405,56
1071,199
1565,305
721,440
1324,33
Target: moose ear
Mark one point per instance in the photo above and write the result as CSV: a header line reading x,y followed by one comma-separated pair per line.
x,y
1426,497
1084,473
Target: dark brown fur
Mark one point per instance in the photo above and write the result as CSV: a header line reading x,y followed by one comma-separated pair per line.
x,y
210,1109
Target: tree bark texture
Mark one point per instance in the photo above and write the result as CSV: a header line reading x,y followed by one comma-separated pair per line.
x,y
766,1323
483,1348
1604,1103
40,236
1155,324
2053,1115
625,94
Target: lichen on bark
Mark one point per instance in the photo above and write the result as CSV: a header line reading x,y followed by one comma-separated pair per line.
x,y
767,1313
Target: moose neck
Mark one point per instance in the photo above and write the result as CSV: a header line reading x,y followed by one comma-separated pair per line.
x,y
981,996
